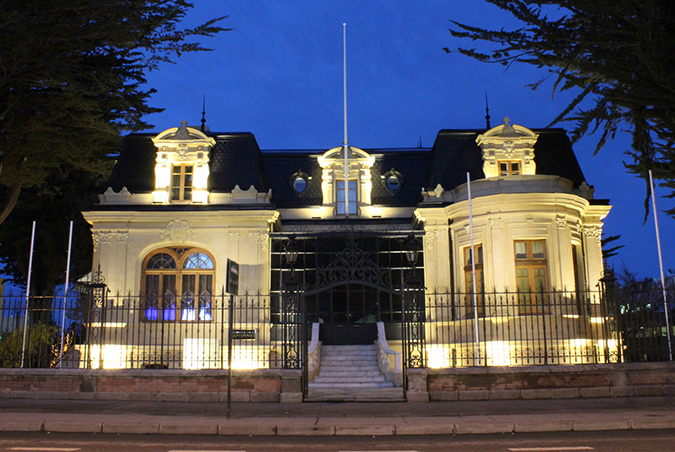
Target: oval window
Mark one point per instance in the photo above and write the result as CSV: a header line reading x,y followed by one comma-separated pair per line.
x,y
299,184
393,183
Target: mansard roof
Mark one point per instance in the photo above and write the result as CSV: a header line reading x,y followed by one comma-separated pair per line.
x,y
455,153
236,159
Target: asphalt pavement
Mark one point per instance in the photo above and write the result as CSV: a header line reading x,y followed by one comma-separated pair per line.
x,y
327,419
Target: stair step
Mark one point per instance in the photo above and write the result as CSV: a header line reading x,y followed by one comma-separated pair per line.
x,y
348,347
348,373
320,379
381,384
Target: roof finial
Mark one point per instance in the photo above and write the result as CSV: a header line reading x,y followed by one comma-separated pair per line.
x,y
203,128
487,113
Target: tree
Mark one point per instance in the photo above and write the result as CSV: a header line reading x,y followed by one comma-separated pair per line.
x,y
72,75
71,80
619,55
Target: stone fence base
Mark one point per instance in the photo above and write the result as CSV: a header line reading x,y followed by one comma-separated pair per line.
x,y
541,382
268,385
275,385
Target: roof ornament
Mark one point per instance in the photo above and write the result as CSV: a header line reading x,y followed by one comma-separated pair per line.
x,y
508,130
183,133
203,128
487,113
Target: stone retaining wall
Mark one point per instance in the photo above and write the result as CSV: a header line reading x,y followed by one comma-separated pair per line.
x,y
541,382
151,385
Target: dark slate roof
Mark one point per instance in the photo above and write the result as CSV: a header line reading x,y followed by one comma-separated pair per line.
x,y
135,166
236,159
455,153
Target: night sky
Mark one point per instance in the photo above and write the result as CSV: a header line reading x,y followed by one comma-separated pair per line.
x,y
278,74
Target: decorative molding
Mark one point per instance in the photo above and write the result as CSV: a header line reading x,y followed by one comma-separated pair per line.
x,y
122,236
561,221
430,238
104,236
95,239
234,236
177,231
593,232
261,238
495,223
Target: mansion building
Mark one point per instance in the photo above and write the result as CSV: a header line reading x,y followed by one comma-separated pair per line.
x,y
183,202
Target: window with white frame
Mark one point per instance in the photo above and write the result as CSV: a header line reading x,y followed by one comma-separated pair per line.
x,y
352,200
178,285
181,182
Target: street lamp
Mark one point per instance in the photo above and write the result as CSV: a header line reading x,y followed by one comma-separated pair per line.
x,y
291,252
411,250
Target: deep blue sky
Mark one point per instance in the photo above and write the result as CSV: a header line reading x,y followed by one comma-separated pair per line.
x,y
278,74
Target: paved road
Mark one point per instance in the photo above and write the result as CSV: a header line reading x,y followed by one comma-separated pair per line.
x,y
624,441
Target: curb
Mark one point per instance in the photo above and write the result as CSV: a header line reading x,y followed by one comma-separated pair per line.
x,y
354,428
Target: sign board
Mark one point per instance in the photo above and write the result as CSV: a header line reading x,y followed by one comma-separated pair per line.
x,y
232,283
243,334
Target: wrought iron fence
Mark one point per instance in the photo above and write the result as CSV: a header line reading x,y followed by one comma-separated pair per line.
x,y
517,328
133,332
101,330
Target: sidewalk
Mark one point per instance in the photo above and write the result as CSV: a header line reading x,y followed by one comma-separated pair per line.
x,y
326,419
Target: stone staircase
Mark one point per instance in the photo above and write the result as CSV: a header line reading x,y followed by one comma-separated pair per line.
x,y
349,373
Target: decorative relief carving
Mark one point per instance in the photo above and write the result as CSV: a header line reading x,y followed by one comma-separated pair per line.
x,y
234,236
177,231
509,146
561,221
496,223
95,239
430,238
261,238
122,236
593,232
104,236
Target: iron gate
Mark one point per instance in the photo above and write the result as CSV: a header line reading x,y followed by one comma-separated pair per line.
x,y
327,287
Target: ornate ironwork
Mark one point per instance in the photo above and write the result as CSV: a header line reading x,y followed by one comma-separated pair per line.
x,y
413,326
352,264
292,325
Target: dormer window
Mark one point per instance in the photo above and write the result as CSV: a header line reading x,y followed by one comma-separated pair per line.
x,y
509,168
181,183
299,181
182,168
393,181
508,150
358,176
353,198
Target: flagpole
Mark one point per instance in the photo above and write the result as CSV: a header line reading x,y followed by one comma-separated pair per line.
x,y
473,272
65,295
25,315
345,144
663,280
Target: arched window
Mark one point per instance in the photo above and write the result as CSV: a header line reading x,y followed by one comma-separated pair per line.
x,y
178,285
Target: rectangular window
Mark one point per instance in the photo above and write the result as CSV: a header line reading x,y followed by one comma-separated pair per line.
x,y
531,275
341,197
181,183
509,168
468,277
